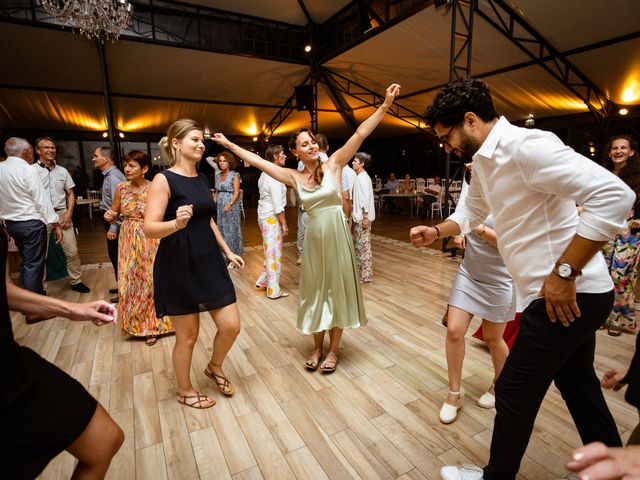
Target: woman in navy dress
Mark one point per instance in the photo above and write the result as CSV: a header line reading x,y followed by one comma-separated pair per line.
x,y
190,275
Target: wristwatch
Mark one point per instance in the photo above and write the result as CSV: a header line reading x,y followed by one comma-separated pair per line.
x,y
566,271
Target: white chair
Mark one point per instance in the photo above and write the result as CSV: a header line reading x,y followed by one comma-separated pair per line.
x,y
430,181
94,195
378,185
412,185
420,185
437,205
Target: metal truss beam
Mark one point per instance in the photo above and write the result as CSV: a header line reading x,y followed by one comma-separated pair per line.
x,y
342,106
504,19
177,24
283,113
361,20
369,97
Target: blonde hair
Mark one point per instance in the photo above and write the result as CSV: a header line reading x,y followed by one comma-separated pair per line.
x,y
178,130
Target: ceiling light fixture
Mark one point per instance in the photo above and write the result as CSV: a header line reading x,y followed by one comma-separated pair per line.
x,y
623,111
530,121
307,48
105,134
255,139
121,135
101,19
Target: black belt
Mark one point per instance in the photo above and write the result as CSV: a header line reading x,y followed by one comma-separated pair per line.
x,y
59,209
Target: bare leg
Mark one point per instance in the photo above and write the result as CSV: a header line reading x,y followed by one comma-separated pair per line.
x,y
227,320
96,446
493,336
457,326
331,360
186,327
316,355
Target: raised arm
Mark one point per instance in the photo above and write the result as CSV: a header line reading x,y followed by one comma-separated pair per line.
x,y
284,175
343,155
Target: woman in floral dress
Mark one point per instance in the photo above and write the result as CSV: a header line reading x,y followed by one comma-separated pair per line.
x,y
622,252
136,254
227,199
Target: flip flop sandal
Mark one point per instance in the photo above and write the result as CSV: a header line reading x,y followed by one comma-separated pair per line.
x,y
198,403
313,366
324,368
282,295
151,340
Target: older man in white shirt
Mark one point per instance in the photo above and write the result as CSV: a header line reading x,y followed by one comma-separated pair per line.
x,y
530,181
59,186
363,214
26,210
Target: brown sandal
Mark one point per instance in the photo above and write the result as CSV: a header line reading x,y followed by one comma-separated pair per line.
x,y
222,382
327,365
313,366
198,403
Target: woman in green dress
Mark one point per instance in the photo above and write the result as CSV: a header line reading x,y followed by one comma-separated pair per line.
x,y
330,298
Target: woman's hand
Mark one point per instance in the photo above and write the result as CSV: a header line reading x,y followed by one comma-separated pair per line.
x,y
392,92
99,312
110,216
220,139
183,215
227,207
612,378
634,223
459,241
236,259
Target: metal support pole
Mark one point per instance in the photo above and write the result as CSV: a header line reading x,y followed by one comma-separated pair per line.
x,y
113,137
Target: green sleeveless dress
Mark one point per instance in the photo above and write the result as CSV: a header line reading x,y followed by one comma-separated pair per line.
x,y
330,294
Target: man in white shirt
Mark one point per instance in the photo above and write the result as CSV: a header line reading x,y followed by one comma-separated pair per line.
x,y
530,181
26,210
59,186
363,214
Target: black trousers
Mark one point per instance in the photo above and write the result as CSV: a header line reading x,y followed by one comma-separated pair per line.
x,y
31,239
112,248
545,352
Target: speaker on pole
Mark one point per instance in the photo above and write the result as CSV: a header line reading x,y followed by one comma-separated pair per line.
x,y
304,98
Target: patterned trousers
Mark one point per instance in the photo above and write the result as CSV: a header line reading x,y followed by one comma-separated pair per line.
x,y
622,255
272,244
362,245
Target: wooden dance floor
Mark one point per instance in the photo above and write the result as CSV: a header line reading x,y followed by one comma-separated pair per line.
x,y
375,417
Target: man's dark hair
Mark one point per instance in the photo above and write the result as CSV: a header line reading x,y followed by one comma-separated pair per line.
x,y
364,158
459,97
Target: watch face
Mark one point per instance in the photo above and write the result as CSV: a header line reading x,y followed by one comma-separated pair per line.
x,y
564,270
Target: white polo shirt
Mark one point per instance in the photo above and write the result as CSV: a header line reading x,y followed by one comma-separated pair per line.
x,y
531,182
56,181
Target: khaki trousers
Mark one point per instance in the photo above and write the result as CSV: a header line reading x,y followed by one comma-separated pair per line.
x,y
69,246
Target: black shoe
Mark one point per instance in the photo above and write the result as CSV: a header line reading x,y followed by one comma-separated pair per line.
x,y
80,287
114,300
113,290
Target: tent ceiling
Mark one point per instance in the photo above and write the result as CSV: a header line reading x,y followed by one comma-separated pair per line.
x,y
60,84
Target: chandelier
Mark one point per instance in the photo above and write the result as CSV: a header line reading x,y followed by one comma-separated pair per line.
x,y
101,19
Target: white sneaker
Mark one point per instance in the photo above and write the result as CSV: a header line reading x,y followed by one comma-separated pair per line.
x,y
449,413
299,261
487,400
464,472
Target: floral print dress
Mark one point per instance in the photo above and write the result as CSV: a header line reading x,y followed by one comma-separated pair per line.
x,y
229,222
136,254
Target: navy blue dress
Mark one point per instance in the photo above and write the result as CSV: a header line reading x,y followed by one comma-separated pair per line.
x,y
189,273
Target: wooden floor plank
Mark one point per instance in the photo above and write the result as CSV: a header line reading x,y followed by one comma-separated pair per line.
x,y
375,417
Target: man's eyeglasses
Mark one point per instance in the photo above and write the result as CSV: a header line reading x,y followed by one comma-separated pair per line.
x,y
445,138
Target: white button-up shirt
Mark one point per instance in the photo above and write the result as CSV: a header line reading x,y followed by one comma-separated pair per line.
x,y
273,197
531,182
363,198
348,179
56,181
23,196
